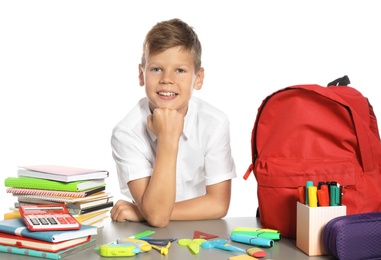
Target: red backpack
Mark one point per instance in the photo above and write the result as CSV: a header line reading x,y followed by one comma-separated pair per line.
x,y
310,132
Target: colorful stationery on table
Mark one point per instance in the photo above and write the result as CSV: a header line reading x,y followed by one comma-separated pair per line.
x,y
129,246
61,173
321,195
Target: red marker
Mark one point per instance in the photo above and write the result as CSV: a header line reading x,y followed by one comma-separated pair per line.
x,y
323,196
302,194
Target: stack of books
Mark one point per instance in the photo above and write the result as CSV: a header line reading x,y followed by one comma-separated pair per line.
x,y
83,191
15,238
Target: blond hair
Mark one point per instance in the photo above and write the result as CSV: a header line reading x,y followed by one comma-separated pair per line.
x,y
172,33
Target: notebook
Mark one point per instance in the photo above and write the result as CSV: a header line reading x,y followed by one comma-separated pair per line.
x,y
42,184
61,173
59,199
55,193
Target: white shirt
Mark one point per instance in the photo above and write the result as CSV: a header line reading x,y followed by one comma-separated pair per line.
x,y
204,155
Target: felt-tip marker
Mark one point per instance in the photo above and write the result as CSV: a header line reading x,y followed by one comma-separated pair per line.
x,y
256,241
312,196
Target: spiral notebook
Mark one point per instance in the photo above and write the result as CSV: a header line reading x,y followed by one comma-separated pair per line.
x,y
55,193
64,199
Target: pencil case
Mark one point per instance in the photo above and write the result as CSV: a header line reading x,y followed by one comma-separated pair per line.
x,y
354,237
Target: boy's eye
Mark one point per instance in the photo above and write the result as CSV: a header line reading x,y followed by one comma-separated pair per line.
x,y
180,70
155,69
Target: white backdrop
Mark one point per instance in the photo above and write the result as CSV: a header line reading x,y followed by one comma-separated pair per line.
x,y
69,70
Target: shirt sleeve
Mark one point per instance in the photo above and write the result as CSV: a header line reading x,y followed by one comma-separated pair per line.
x,y
219,163
131,155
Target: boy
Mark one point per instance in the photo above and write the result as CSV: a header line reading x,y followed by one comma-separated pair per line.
x,y
172,151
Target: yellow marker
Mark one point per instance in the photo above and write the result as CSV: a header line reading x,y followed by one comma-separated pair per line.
x,y
247,229
312,196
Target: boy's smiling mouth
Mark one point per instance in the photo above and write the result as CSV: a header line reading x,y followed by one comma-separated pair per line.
x,y
167,94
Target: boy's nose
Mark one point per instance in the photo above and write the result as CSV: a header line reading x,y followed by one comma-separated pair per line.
x,y
167,78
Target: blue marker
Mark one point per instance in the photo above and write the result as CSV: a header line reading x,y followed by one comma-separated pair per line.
x,y
256,241
223,245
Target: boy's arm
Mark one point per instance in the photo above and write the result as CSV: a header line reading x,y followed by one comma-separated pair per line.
x,y
213,205
155,196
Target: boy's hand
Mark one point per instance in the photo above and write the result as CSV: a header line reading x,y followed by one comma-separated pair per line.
x,y
166,123
125,211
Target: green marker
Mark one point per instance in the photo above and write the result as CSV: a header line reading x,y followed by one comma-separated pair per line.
x,y
145,233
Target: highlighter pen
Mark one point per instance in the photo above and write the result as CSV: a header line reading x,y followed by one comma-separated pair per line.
x,y
308,184
247,229
269,235
256,241
312,196
302,194
334,193
323,195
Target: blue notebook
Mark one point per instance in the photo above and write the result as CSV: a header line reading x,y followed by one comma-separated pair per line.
x,y
47,255
17,227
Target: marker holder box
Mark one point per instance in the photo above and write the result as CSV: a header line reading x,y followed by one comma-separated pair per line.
x,y
310,224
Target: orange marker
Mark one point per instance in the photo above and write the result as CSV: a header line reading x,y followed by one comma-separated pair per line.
x,y
323,196
256,252
302,194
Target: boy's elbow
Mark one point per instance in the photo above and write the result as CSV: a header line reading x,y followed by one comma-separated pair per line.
x,y
222,211
158,222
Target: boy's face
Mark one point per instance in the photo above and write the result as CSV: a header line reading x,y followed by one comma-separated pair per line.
x,y
169,78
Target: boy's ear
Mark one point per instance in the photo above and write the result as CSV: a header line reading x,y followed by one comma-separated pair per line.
x,y
141,75
199,79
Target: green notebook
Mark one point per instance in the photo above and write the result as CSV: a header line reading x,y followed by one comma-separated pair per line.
x,y
43,184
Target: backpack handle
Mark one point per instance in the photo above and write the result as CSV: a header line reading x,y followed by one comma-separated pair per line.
x,y
343,81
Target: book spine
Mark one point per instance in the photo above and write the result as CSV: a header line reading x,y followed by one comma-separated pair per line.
x,y
90,209
78,248
29,252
